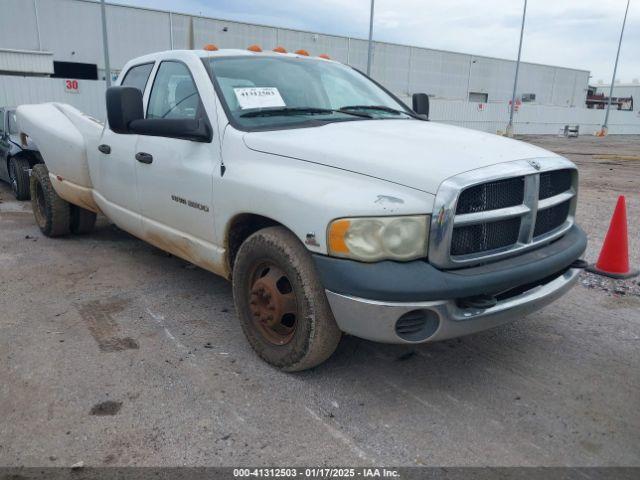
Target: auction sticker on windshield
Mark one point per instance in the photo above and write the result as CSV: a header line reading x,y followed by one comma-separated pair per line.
x,y
258,97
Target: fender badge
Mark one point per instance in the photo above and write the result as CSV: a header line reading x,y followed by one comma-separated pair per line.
x,y
534,163
311,240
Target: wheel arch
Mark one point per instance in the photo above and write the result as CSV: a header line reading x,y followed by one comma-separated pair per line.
x,y
33,157
241,227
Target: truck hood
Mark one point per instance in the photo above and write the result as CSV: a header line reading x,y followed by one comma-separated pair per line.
x,y
412,153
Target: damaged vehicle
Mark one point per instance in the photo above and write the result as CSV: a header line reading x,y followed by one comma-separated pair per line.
x,y
331,206
16,157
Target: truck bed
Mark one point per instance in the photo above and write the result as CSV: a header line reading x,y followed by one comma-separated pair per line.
x,y
63,135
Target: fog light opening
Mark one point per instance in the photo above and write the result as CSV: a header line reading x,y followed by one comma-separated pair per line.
x,y
417,325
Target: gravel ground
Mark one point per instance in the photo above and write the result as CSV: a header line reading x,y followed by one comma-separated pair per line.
x,y
114,353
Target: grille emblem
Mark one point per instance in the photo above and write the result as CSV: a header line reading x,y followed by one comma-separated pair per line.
x,y
534,163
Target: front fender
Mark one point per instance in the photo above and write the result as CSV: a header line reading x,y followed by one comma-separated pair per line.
x,y
303,196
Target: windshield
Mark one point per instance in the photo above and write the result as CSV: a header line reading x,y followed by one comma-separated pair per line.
x,y
274,92
13,124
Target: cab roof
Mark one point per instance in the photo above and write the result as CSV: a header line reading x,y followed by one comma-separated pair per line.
x,y
225,52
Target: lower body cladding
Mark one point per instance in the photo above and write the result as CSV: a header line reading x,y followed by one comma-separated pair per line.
x,y
414,302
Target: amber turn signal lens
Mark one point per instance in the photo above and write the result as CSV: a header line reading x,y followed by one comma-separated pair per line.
x,y
302,52
337,232
254,48
280,50
210,47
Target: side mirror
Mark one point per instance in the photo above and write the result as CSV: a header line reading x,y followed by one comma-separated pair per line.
x,y
126,116
124,105
421,104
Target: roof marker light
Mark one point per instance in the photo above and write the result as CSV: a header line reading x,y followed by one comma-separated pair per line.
x,y
210,47
254,48
280,49
325,56
302,52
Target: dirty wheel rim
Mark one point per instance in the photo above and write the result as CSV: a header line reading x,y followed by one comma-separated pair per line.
x,y
13,177
273,304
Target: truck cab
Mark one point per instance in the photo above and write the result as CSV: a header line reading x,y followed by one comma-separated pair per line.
x,y
331,205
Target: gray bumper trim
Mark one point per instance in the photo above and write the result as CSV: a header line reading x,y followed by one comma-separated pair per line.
x,y
375,320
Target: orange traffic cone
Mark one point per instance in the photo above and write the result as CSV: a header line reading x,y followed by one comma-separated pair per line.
x,y
614,256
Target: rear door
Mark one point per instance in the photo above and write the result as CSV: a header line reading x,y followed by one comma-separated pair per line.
x,y
116,186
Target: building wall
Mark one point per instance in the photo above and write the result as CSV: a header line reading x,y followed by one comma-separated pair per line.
x,y
623,90
71,29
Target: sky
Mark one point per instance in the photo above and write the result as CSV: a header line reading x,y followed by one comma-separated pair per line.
x,y
571,33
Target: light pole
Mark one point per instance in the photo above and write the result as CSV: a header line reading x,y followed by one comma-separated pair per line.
x,y
605,125
105,45
515,80
370,51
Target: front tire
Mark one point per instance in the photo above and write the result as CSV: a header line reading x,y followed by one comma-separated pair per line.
x,y
51,212
19,177
281,303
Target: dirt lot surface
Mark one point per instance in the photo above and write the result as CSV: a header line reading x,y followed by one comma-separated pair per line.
x,y
114,353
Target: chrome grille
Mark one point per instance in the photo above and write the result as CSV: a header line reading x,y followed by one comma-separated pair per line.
x,y
484,236
491,196
555,182
551,218
500,210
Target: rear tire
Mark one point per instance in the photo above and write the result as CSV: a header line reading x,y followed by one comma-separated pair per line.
x,y
82,220
52,213
281,304
19,177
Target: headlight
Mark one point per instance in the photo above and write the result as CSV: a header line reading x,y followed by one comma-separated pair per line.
x,y
371,239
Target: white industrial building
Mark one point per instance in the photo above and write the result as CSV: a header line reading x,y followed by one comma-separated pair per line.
x,y
62,38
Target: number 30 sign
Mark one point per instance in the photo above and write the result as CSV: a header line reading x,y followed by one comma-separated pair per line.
x,y
71,86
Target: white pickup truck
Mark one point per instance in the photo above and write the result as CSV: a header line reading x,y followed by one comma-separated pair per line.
x,y
331,205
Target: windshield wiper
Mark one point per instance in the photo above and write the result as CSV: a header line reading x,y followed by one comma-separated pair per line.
x,y
298,111
382,108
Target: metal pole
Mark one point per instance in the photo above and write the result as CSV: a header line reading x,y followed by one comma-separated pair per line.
x,y
105,45
35,9
515,80
171,30
605,126
370,52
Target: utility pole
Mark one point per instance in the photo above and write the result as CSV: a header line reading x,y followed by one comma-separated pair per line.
x,y
515,80
370,52
605,125
105,45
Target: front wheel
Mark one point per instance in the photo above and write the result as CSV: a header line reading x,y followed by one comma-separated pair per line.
x,y
282,306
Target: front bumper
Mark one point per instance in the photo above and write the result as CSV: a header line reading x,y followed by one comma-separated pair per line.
x,y
369,300
377,321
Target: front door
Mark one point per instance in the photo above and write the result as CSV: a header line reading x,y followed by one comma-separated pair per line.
x,y
175,177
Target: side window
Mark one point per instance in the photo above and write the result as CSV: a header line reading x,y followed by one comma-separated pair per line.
x,y
137,76
13,123
174,93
